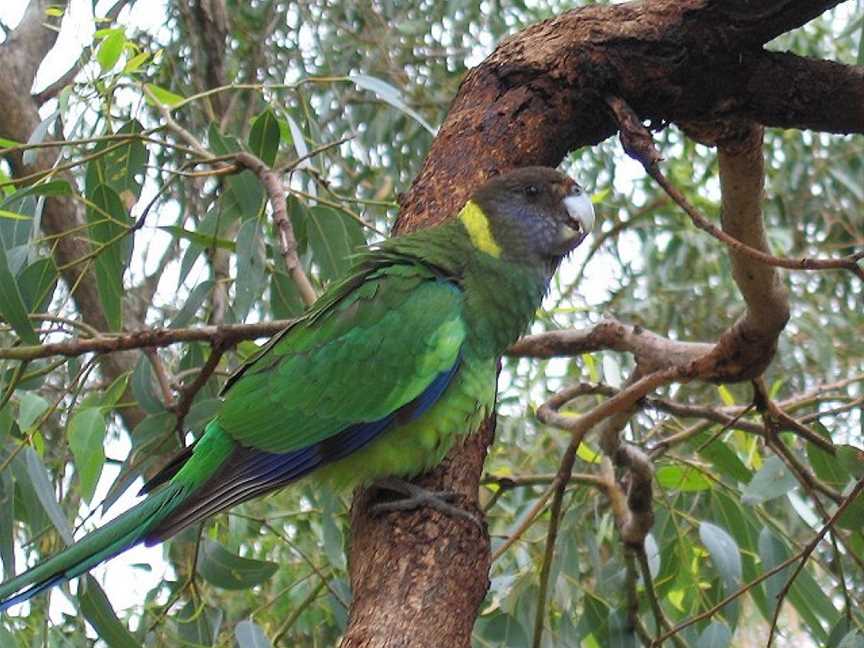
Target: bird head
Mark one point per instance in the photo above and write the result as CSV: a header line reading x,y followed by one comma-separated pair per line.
x,y
532,214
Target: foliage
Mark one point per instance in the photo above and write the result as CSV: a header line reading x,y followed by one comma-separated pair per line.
x,y
173,244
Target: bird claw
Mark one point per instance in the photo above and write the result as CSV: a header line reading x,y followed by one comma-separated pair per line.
x,y
414,497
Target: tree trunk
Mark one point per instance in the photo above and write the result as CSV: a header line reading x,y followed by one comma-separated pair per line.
x,y
419,578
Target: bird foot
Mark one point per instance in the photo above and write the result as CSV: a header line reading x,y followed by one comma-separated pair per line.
x,y
414,497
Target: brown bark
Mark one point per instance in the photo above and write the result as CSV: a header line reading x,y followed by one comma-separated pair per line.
x,y
538,96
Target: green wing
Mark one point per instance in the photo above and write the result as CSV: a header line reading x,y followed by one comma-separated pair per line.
x,y
373,348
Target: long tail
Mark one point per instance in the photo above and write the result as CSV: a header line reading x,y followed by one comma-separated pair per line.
x,y
117,536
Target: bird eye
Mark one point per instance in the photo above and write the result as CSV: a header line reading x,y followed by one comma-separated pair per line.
x,y
531,191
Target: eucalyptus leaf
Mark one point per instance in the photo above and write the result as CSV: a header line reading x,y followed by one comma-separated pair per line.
x,y
86,432
98,611
29,467
773,480
229,571
264,137
250,635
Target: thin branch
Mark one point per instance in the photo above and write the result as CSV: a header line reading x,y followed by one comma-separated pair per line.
x,y
639,145
104,343
578,427
287,241
805,554
188,393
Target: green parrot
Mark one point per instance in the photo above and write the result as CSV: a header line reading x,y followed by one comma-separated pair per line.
x,y
390,368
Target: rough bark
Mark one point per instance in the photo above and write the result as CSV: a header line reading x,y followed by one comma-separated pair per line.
x,y
539,95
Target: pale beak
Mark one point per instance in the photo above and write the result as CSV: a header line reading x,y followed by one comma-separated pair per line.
x,y
581,211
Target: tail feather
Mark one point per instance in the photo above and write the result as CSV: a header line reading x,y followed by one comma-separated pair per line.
x,y
122,533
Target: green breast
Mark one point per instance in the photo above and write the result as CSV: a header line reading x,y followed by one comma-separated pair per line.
x,y
413,448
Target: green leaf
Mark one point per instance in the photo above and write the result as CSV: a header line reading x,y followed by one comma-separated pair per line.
x,y
202,239
854,639
250,635
285,301
110,49
7,521
201,412
12,307
853,517
136,62
37,283
5,213
193,302
333,237
31,469
251,268
501,629
723,458
852,460
198,627
725,395
122,167
773,480
38,136
772,551
391,95
86,432
724,554
331,533
264,137
163,96
682,478
244,196
143,389
109,225
98,611
829,468
152,439
224,569
30,409
716,635
7,639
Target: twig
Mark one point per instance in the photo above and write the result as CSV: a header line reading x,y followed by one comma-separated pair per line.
x,y
638,144
145,338
659,618
187,395
295,614
161,376
578,427
805,554
801,555
287,242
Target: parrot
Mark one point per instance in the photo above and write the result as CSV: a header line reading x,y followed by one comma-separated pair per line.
x,y
381,376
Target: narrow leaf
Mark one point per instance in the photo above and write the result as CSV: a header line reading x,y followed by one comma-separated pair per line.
x,y
12,307
773,480
264,137
38,478
86,431
224,569
109,227
390,95
163,96
98,611
250,635
110,49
